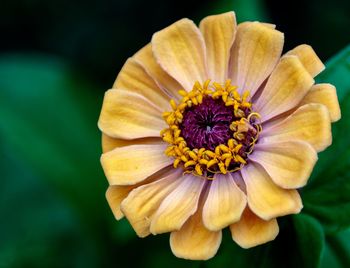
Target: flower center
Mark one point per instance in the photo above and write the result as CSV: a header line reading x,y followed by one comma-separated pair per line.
x,y
212,130
207,125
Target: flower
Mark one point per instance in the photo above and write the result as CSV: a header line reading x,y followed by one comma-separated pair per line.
x,y
211,128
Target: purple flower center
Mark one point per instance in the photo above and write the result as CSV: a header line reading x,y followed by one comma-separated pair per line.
x,y
207,125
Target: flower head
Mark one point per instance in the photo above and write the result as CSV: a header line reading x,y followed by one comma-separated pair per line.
x,y
211,128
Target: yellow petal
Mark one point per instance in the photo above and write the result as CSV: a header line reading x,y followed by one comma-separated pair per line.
x,y
324,94
310,123
178,206
289,164
109,143
219,33
265,198
224,204
269,25
166,82
131,164
180,51
141,204
285,88
252,231
254,54
133,77
128,115
193,241
308,58
115,195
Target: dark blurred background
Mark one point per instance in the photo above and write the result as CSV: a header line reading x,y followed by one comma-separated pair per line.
x,y
56,60
97,36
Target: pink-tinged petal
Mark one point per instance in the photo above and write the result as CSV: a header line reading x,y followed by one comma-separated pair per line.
x,y
308,58
129,165
219,32
133,77
289,164
128,115
141,204
325,94
109,143
265,198
178,206
310,123
180,51
252,231
285,88
193,241
146,58
237,177
255,53
224,204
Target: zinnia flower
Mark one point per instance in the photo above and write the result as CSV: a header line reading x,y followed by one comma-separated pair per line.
x,y
211,128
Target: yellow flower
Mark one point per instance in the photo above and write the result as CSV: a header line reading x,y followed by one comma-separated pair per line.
x,y
211,128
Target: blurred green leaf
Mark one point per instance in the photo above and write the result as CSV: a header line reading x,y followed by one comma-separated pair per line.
x,y
49,117
48,120
299,243
246,10
327,195
232,255
337,250
38,228
310,240
337,73
250,10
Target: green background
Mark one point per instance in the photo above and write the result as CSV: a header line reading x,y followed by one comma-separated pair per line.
x,y
56,60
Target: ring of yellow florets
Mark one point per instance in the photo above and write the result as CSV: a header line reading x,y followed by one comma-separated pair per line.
x,y
201,161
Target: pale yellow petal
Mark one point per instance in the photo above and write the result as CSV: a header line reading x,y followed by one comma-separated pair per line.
x,y
308,58
233,62
141,204
178,206
131,164
285,88
269,25
219,33
133,77
115,195
252,231
180,51
265,198
310,123
193,241
289,164
146,58
254,54
128,115
325,94
224,204
109,143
